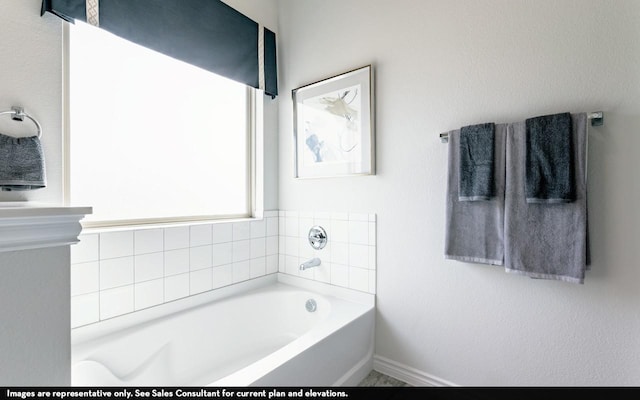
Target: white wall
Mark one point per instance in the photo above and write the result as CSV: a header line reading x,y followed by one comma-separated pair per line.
x,y
440,65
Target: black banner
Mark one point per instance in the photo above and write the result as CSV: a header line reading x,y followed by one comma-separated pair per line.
x,y
274,393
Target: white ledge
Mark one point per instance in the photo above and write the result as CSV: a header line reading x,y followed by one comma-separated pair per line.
x,y
25,225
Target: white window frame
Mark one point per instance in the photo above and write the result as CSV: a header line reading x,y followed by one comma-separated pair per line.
x,y
255,153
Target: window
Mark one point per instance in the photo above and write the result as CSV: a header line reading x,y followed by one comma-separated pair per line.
x,y
152,138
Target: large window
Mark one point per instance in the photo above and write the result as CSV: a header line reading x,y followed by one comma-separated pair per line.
x,y
152,138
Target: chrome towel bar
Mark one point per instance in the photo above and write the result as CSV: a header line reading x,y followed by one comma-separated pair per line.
x,y
596,117
18,114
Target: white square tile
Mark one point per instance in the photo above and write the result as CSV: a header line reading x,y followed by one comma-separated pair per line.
x,y
86,250
358,232
281,213
200,235
304,226
270,213
148,294
258,228
372,282
339,275
339,231
272,226
176,238
272,264
85,278
291,246
292,265
241,250
222,232
116,272
148,241
304,248
200,257
372,217
322,215
85,309
201,281
258,267
258,247
241,271
149,266
291,227
116,244
241,231
305,214
176,287
281,225
343,216
281,263
222,254
358,217
115,302
358,256
340,253
272,245
358,279
176,262
292,214
222,276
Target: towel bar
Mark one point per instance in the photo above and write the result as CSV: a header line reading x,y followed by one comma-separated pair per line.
x,y
18,114
596,117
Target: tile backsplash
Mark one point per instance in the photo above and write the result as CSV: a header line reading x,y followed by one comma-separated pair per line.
x,y
118,272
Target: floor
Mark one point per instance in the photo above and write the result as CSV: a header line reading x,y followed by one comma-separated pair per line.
x,y
375,378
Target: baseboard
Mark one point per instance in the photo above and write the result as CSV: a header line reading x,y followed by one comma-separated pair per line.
x,y
407,374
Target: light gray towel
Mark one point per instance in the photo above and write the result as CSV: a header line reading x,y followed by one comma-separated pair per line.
x,y
549,157
21,163
476,179
547,241
475,230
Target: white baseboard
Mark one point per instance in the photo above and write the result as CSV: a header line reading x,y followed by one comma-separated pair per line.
x,y
407,374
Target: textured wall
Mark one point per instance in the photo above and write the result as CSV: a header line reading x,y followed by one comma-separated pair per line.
x,y
440,65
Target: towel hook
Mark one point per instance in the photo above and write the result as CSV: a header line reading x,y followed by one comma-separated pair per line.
x,y
18,114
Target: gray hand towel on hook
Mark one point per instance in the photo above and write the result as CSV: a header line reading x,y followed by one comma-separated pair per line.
x,y
549,159
22,164
474,230
476,177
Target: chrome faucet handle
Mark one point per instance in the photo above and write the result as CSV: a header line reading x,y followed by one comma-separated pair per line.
x,y
317,237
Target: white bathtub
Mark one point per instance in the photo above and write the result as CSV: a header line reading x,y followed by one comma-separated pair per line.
x,y
254,333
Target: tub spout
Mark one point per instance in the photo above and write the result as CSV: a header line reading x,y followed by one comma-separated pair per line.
x,y
314,262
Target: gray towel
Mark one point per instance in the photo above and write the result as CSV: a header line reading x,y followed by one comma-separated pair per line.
x,y
549,159
547,241
475,230
21,163
476,180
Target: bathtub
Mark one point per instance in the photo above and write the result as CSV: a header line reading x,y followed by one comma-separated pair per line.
x,y
256,333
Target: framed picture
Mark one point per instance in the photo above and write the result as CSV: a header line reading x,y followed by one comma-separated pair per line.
x,y
333,126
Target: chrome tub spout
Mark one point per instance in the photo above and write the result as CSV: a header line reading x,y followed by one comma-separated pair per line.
x,y
314,262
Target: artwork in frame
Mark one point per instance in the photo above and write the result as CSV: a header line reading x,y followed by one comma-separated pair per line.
x,y
334,126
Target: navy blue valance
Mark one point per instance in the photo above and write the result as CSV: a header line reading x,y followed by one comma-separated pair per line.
x,y
206,33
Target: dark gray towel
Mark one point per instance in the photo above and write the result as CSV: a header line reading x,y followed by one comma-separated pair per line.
x,y
21,163
547,241
474,230
476,162
549,159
